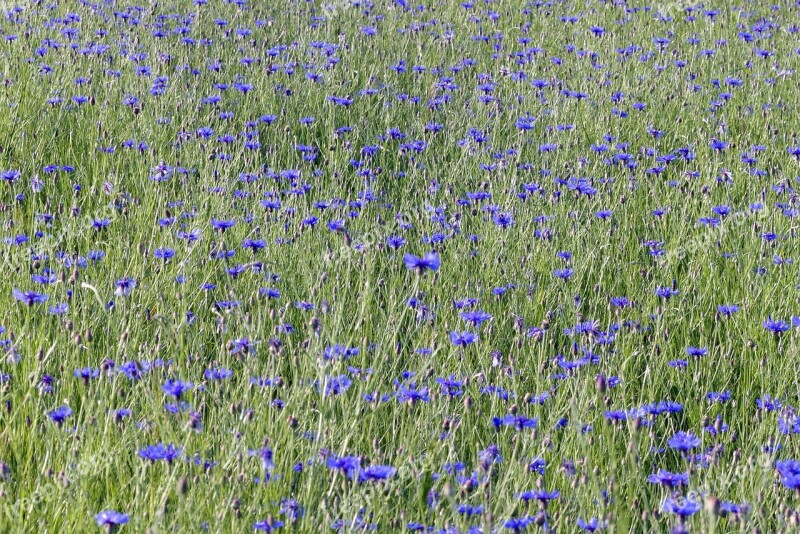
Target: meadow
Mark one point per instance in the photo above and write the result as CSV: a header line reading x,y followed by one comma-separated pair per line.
x,y
400,266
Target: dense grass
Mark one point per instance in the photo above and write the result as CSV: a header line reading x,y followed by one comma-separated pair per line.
x,y
506,205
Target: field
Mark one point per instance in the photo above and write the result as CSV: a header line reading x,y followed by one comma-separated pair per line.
x,y
402,265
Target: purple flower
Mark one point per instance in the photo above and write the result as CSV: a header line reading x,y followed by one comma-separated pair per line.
x,y
590,526
519,422
684,441
789,470
176,388
543,496
476,317
413,395
462,339
110,518
430,261
124,286
268,525
666,292
518,524
374,473
159,451
60,414
10,176
451,386
86,374
336,385
346,464
564,274
29,297
681,507
671,480
489,456
776,327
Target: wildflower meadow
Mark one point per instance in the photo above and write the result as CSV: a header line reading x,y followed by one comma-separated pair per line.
x,y
468,266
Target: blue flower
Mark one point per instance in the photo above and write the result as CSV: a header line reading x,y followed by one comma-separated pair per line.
x,y
519,422
666,292
60,414
374,473
413,395
176,388
684,441
564,274
217,373
450,386
10,176
159,451
336,385
543,496
344,463
268,525
462,339
776,327
430,261
592,525
29,297
681,507
110,518
671,480
476,317
518,524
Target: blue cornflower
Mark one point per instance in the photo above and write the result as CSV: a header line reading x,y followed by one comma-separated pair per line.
x,y
336,385
666,292
518,524
476,317
519,422
86,374
503,219
124,286
110,519
564,274
430,261
462,339
413,395
671,480
684,441
164,253
159,451
395,241
176,388
374,473
60,414
451,386
268,525
681,507
543,496
592,525
537,465
776,327
217,373
29,297
620,302
346,464
718,145
10,176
